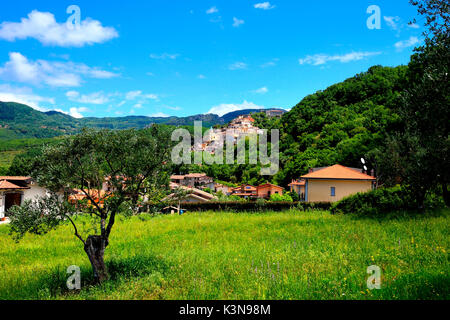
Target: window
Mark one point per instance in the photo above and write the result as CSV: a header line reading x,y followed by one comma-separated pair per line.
x,y
333,191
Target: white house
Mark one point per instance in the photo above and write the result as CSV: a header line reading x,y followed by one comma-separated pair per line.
x,y
15,190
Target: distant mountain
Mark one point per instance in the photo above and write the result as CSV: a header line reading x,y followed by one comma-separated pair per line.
x,y
21,121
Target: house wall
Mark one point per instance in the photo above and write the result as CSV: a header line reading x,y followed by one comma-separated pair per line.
x,y
2,205
263,192
320,190
34,192
298,189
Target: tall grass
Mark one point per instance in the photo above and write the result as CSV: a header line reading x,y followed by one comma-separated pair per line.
x,y
288,255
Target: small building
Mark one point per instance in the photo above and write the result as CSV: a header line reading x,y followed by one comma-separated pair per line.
x,y
266,190
331,184
245,191
298,187
193,180
16,190
226,190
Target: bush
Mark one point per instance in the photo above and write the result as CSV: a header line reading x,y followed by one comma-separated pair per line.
x,y
254,206
281,198
380,201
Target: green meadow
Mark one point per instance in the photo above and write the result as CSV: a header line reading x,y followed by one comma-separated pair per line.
x,y
287,255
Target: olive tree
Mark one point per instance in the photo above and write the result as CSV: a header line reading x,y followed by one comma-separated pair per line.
x,y
131,163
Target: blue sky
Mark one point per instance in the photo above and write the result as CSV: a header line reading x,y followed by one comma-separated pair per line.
x,y
189,57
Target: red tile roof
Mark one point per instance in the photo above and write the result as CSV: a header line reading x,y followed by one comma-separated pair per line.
x,y
338,172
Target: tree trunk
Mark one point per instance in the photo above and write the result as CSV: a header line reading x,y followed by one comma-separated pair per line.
x,y
446,194
95,248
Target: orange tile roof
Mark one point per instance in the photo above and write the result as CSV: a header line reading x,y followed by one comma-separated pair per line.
x,y
268,184
14,178
297,183
338,172
5,185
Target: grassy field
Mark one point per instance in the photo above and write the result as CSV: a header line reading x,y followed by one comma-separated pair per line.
x,y
288,255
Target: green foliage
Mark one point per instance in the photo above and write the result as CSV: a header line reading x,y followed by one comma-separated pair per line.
x,y
281,198
38,216
289,255
341,124
260,205
132,162
382,201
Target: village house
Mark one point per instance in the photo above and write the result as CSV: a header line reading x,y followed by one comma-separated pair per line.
x,y
263,191
331,184
193,180
298,187
222,188
244,191
238,127
16,190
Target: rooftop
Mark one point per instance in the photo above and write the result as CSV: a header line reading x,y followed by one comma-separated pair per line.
x,y
338,172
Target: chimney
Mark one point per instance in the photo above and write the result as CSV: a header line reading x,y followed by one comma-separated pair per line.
x,y
372,173
311,170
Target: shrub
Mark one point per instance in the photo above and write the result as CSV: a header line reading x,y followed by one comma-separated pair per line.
x,y
254,206
281,198
380,201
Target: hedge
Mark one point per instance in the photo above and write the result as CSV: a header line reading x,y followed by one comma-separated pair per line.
x,y
254,206
376,202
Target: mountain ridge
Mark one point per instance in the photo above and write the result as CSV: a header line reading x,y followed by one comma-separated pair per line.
x,y
21,121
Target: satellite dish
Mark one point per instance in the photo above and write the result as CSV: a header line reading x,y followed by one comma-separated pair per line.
x,y
363,161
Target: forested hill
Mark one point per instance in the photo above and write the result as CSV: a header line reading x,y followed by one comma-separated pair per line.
x,y
20,121
341,124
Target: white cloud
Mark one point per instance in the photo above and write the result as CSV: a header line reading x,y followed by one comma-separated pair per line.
x,y
414,26
24,96
224,108
264,6
93,98
320,59
262,90
412,41
138,106
212,10
43,27
52,73
76,112
237,66
201,76
159,115
237,22
392,22
270,63
138,94
164,56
